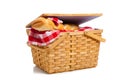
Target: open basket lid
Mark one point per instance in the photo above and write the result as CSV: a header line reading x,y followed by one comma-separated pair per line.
x,y
71,18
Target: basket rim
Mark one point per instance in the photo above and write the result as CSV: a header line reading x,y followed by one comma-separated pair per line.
x,y
82,32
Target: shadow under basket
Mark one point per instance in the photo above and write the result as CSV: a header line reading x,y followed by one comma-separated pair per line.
x,y
71,51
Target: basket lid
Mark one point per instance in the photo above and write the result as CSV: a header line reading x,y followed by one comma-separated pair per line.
x,y
71,18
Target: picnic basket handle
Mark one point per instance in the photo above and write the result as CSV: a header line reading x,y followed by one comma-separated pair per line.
x,y
92,35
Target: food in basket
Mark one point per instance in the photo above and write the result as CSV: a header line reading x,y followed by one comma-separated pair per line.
x,y
70,27
43,24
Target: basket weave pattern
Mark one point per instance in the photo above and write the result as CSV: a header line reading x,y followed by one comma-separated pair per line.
x,y
75,51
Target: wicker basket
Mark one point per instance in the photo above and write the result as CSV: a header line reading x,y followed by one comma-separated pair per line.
x,y
71,51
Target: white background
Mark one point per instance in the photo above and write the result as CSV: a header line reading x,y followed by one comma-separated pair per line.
x,y
15,56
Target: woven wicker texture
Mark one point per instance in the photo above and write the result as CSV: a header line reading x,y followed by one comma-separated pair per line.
x,y
71,51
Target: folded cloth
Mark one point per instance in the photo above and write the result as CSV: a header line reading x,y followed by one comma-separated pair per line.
x,y
43,38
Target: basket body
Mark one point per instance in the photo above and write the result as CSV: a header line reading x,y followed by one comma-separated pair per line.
x,y
73,51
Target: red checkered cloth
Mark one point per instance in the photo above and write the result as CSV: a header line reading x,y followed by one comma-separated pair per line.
x,y
56,20
43,38
86,28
